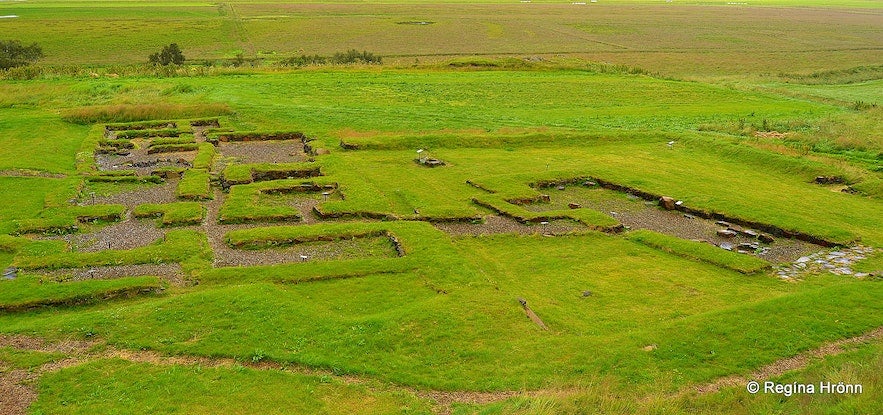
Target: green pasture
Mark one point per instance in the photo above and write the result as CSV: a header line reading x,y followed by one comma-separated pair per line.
x,y
732,109
196,390
680,38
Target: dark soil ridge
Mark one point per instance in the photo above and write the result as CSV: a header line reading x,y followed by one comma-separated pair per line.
x,y
764,227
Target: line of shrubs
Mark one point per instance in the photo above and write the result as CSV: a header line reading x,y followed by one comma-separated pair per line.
x,y
351,56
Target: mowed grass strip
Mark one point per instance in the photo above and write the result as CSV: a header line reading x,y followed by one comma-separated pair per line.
x,y
700,251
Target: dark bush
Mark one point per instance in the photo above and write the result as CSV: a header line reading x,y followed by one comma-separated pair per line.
x,y
354,56
14,54
170,55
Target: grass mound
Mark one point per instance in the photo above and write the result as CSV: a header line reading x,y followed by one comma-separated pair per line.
x,y
195,185
177,246
67,219
30,291
172,214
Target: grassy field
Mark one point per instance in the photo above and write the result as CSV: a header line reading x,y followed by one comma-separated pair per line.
x,y
345,275
673,38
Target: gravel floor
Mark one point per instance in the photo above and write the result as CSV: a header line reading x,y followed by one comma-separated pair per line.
x,y
170,272
111,162
226,256
494,224
286,151
637,213
162,193
128,234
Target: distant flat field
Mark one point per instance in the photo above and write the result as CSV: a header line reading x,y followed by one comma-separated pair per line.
x,y
672,38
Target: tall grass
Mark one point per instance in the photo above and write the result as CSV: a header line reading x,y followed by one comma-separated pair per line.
x,y
142,112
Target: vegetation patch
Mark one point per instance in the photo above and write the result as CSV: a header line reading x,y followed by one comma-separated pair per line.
x,y
122,176
172,214
256,172
205,122
141,125
256,136
177,246
171,141
140,112
27,359
204,157
106,386
66,219
29,291
743,263
145,133
589,217
242,203
172,148
195,185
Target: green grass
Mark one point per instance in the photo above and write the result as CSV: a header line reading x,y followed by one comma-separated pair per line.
x,y
29,291
591,218
23,129
172,214
30,195
518,95
204,157
145,133
127,112
194,185
248,202
67,219
700,251
711,37
110,386
249,172
27,360
461,300
177,246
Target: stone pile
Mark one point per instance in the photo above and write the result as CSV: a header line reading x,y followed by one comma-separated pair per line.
x,y
838,261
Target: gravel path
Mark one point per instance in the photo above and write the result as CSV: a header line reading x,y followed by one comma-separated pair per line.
x,y
286,151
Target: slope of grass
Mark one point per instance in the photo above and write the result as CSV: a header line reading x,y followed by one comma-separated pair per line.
x,y
111,386
30,291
